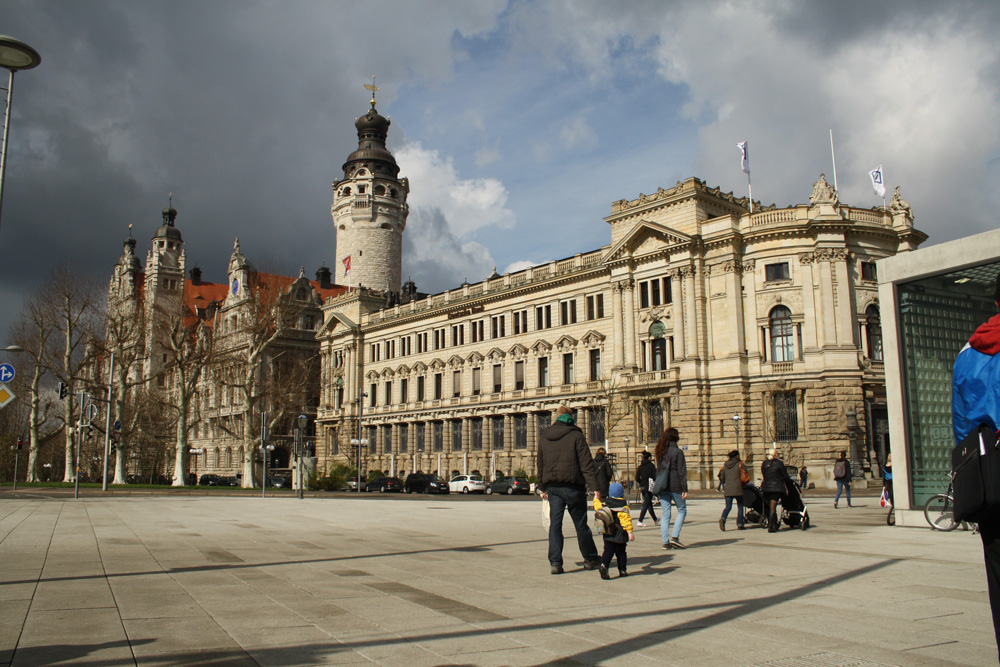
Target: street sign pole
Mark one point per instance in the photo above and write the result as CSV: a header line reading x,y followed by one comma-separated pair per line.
x,y
16,457
107,427
79,446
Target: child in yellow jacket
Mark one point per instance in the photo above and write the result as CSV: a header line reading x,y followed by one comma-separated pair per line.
x,y
615,543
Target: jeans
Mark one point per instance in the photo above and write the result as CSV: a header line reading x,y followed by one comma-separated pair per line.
x,y
678,499
647,504
575,500
841,485
990,532
616,549
739,509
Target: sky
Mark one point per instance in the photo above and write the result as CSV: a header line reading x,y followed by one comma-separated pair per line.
x,y
517,122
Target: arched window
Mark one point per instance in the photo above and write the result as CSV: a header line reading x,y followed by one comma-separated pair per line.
x,y
229,457
874,326
782,345
380,190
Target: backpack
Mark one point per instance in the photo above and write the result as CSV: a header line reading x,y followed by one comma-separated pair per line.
x,y
840,470
606,522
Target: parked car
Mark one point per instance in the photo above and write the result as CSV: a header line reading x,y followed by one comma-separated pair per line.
x,y
279,482
384,484
352,483
509,485
228,481
423,483
210,480
467,484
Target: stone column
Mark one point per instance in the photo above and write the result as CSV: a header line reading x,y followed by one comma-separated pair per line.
x,y
734,304
827,315
679,316
629,305
748,300
618,327
846,316
690,313
810,337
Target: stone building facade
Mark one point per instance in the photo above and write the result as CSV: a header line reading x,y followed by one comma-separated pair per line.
x,y
737,328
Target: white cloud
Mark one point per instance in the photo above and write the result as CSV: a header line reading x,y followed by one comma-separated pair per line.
x,y
578,134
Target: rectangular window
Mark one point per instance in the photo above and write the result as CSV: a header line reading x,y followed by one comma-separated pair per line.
x,y
520,431
477,331
420,388
544,420
438,435
497,428
439,339
497,378
595,365
668,292
456,435
597,419
476,433
786,418
595,307
456,383
518,375
404,346
568,368
372,438
458,334
419,426
404,394
654,411
387,440
543,371
778,271
567,312
438,386
421,342
654,292
543,317
372,402
388,393
404,433
476,386
520,322
868,271
497,326
658,348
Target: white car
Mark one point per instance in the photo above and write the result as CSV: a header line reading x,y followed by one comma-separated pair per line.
x,y
467,484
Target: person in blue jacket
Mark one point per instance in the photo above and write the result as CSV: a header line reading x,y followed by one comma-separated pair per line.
x,y
975,400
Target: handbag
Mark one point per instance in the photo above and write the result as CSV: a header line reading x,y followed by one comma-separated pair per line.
x,y
884,500
744,474
662,482
975,464
650,483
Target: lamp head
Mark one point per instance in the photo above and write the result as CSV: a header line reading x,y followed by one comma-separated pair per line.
x,y
303,420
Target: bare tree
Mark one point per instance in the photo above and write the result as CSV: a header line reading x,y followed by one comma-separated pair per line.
x,y
125,327
33,331
70,303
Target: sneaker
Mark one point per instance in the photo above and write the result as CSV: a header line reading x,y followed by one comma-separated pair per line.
x,y
622,573
666,547
834,504
604,573
557,569
591,564
656,522
676,543
741,527
722,525
640,524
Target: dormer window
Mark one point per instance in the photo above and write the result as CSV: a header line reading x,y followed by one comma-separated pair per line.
x,y
361,189
346,192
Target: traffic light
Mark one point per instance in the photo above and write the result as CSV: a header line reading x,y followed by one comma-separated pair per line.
x,y
20,444
63,390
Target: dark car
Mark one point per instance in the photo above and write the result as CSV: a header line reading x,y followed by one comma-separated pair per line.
x,y
279,482
229,481
424,483
509,485
210,480
385,484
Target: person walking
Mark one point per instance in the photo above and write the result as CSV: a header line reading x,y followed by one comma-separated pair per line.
x,y
644,477
775,477
887,478
731,478
616,542
603,471
975,402
565,473
842,475
670,457
803,479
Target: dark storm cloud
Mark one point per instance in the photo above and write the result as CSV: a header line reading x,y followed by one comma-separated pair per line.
x,y
244,111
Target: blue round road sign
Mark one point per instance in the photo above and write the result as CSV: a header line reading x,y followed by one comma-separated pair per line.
x,y
6,372
118,425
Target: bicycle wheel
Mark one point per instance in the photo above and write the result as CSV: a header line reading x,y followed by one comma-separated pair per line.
x,y
939,512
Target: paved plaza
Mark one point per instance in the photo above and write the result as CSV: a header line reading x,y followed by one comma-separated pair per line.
x,y
417,580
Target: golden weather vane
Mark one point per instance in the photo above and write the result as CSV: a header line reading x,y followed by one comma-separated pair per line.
x,y
372,87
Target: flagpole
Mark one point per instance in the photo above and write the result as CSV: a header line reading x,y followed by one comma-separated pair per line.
x,y
834,154
750,191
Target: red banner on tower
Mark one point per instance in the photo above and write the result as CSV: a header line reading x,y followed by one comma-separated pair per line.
x,y
347,264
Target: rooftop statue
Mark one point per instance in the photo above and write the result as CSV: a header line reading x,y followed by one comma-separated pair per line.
x,y
823,193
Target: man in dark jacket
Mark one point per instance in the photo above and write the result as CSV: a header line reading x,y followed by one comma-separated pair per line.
x,y
602,471
975,400
646,473
565,473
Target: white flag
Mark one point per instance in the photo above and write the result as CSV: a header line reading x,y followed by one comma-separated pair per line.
x,y
744,157
877,182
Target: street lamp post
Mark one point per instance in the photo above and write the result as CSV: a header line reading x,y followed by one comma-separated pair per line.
x,y
736,426
14,55
303,420
852,434
195,451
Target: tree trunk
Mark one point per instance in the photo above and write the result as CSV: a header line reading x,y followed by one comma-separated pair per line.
x,y
120,445
33,443
248,420
70,472
181,452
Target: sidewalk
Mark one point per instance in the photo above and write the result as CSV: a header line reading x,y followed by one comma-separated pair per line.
x,y
407,580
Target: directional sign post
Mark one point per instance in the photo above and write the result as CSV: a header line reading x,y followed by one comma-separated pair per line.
x,y
6,372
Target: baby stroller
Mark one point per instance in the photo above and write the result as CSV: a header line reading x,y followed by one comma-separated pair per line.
x,y
793,510
753,505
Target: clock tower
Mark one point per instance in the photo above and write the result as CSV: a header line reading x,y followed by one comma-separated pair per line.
x,y
369,209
